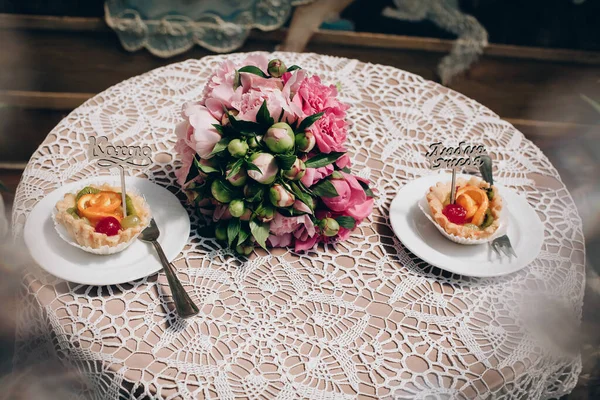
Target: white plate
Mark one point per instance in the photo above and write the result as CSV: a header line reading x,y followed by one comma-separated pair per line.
x,y
137,261
421,237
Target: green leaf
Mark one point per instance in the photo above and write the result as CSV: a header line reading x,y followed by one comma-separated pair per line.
x,y
346,222
293,68
304,188
263,117
207,169
235,168
252,167
220,146
233,229
290,212
193,172
324,189
258,196
308,121
219,128
285,161
243,235
253,70
300,195
323,159
366,188
260,231
246,128
346,170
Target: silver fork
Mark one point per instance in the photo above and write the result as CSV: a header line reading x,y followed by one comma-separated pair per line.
x,y
502,243
183,304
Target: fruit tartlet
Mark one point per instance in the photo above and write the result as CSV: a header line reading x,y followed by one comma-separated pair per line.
x,y
93,217
476,213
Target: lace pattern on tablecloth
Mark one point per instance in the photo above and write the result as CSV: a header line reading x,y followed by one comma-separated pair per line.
x,y
363,318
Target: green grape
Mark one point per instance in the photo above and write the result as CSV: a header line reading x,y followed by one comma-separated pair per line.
x,y
471,226
130,221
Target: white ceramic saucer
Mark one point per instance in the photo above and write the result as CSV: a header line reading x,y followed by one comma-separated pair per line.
x,y
421,237
65,261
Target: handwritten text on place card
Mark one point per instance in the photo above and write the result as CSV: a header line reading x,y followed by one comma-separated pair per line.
x,y
461,156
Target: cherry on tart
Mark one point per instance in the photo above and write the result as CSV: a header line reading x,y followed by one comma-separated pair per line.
x,y
93,217
475,213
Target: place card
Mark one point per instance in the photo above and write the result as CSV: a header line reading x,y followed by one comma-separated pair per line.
x,y
108,155
465,156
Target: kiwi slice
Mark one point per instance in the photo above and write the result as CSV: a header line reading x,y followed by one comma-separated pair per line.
x,y
490,193
73,212
129,207
488,220
86,190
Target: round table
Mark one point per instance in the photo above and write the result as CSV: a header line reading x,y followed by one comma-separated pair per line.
x,y
360,319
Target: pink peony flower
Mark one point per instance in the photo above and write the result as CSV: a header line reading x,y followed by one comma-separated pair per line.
x,y
251,81
314,175
282,225
187,160
330,133
350,193
361,211
303,245
220,85
314,97
197,131
344,161
257,60
280,240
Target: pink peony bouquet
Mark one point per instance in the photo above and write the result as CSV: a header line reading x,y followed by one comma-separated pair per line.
x,y
263,153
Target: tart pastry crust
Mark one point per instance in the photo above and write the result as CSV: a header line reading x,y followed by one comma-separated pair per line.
x,y
85,234
438,194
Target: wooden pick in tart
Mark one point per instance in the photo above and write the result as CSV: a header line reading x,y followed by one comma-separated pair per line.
x,y
476,213
93,218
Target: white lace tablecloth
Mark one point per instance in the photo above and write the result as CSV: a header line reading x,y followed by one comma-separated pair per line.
x,y
364,318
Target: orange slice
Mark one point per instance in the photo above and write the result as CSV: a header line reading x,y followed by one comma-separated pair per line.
x,y
95,206
475,201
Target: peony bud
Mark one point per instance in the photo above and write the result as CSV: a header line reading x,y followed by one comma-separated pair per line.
x,y
305,141
337,175
265,213
221,192
237,208
296,172
280,197
276,68
254,141
268,168
221,232
279,138
237,148
244,249
251,192
239,178
330,227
